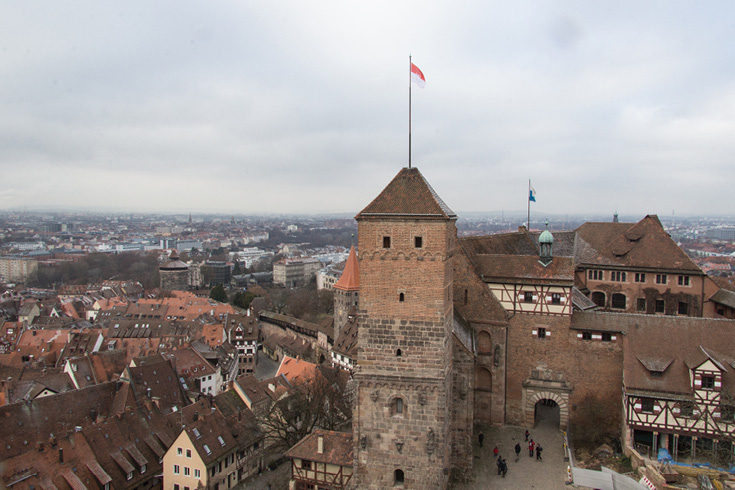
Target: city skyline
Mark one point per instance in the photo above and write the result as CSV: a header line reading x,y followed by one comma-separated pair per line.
x,y
291,108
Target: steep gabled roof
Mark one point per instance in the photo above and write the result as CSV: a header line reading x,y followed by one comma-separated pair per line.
x,y
644,244
350,279
408,194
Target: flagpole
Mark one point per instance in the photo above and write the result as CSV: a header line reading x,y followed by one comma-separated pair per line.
x,y
528,196
409,111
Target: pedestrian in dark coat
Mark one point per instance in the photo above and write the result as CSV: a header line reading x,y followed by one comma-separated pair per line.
x,y
504,467
531,445
538,452
481,438
499,462
518,450
527,434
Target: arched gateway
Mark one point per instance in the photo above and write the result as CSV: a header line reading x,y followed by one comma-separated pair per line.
x,y
534,396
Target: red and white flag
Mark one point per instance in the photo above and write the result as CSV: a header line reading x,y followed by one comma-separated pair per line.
x,y
417,77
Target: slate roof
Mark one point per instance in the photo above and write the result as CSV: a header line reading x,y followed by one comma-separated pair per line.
x,y
337,448
408,194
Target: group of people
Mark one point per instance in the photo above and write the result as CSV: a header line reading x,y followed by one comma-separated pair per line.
x,y
533,447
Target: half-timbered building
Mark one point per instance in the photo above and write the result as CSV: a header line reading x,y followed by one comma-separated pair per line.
x,y
679,385
322,460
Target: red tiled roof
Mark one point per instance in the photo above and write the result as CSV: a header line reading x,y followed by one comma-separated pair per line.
x,y
408,194
296,370
350,279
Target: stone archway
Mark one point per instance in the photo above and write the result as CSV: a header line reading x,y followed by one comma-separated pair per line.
x,y
559,396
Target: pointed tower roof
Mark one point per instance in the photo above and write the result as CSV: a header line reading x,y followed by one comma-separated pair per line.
x,y
350,279
408,195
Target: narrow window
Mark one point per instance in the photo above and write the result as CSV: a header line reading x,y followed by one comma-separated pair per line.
x,y
641,304
555,298
661,279
542,333
399,353
660,306
640,277
647,405
188,453
401,297
398,406
418,241
398,477
386,242
683,280
528,297
466,297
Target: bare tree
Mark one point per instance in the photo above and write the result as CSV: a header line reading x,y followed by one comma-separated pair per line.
x,y
317,402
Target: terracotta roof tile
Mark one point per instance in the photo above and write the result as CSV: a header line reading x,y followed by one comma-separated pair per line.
x,y
408,194
350,278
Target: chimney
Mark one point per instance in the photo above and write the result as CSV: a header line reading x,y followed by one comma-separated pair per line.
x,y
320,444
61,455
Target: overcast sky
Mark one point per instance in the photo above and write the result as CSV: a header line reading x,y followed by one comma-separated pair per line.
x,y
279,106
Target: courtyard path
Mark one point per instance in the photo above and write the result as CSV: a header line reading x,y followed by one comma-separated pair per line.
x,y
527,473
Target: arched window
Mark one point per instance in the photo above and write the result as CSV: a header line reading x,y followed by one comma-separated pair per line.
x,y
399,353
618,301
598,298
483,379
401,297
398,477
397,407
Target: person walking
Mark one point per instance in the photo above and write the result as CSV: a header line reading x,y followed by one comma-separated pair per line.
x,y
495,452
531,445
499,462
481,438
538,452
518,450
504,467
527,434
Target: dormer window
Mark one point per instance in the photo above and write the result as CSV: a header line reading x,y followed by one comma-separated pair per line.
x,y
708,382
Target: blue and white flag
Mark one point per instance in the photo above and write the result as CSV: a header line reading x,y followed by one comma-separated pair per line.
x,y
532,194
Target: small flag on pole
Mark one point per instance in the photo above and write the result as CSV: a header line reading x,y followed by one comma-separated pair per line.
x,y
532,194
417,76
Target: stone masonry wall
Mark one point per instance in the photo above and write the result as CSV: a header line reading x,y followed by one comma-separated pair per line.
x,y
589,367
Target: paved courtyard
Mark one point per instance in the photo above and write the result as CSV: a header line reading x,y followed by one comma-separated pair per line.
x,y
526,473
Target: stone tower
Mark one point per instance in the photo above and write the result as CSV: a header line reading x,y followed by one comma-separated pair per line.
x,y
174,274
404,384
346,291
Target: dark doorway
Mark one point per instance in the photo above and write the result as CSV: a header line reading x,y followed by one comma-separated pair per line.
x,y
546,413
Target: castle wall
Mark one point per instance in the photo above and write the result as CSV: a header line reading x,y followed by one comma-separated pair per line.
x,y
561,364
